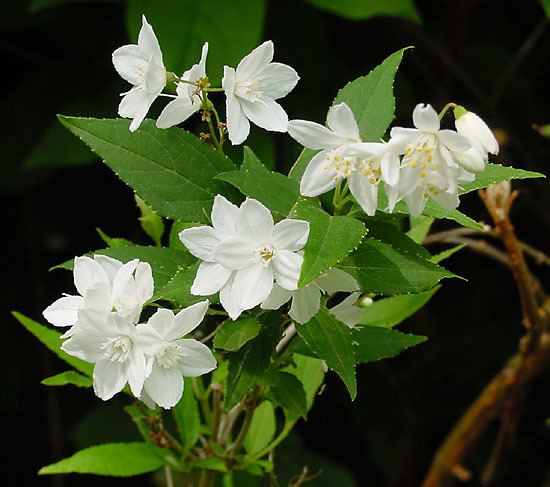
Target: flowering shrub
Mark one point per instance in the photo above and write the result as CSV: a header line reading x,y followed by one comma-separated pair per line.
x,y
201,326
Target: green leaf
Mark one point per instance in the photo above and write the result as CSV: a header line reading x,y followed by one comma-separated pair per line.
x,y
390,234
174,241
211,463
170,169
299,167
152,224
165,262
310,373
178,288
289,393
249,365
273,189
232,335
362,9
68,377
186,414
388,312
262,428
232,30
113,459
371,97
383,269
545,6
495,173
420,227
52,339
331,239
331,341
437,258
375,343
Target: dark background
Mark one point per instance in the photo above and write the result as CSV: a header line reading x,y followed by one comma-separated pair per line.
x,y
491,56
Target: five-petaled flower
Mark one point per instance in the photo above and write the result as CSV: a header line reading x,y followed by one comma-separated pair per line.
x,y
251,91
142,66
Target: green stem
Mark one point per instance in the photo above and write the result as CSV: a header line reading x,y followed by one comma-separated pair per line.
x,y
213,90
198,387
446,109
207,478
251,404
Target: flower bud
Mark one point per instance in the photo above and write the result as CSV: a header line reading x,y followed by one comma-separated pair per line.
x,y
475,130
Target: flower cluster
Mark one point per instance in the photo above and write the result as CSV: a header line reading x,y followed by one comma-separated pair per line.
x,y
104,329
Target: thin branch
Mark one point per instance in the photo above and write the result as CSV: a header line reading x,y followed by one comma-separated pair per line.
x,y
288,335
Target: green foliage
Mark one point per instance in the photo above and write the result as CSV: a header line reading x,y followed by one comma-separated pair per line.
x,y
388,312
310,373
331,239
182,26
495,173
375,343
289,393
362,9
420,227
170,169
52,340
371,97
249,365
113,459
232,335
114,242
331,341
186,414
152,224
262,428
546,6
178,288
395,265
68,377
437,258
273,189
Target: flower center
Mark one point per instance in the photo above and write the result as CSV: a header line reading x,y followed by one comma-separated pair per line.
x,y
419,156
341,165
170,355
117,349
370,168
126,304
266,253
250,90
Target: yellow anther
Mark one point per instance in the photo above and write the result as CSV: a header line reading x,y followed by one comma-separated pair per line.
x,y
422,174
412,164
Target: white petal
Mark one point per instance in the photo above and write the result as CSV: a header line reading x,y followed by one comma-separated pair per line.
x,y
319,176
123,282
367,149
147,336
265,113
201,241
147,40
256,61
87,273
251,286
135,104
364,192
198,359
315,136
63,312
110,265
471,160
238,126
256,220
136,370
164,386
347,312
335,280
210,278
187,320
176,112
475,129
228,301
277,80
109,378
401,138
144,282
130,63
447,200
161,321
224,215
290,234
415,202
341,120
287,266
98,297
425,118
155,78
234,253
454,141
277,297
305,304
390,165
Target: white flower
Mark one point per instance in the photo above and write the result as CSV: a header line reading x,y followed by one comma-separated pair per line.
x,y
251,91
187,101
117,349
174,357
104,284
202,241
142,66
306,301
260,254
480,137
430,165
365,165
347,311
